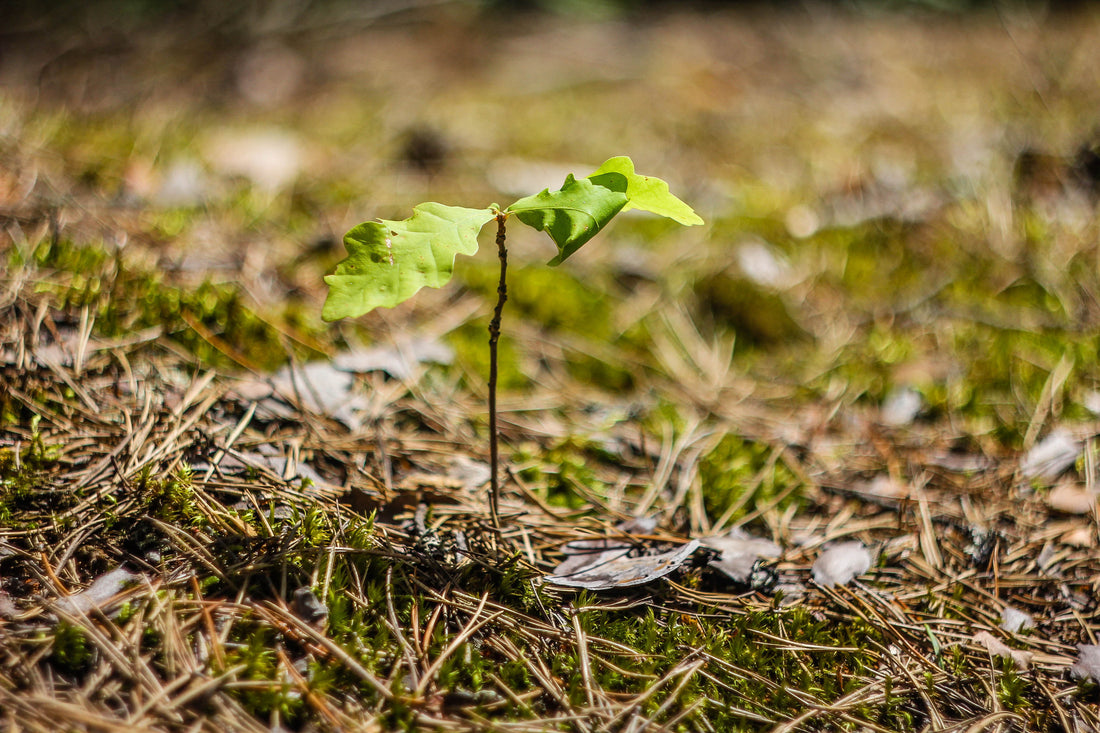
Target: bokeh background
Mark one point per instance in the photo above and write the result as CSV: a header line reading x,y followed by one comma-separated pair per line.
x,y
886,334
898,196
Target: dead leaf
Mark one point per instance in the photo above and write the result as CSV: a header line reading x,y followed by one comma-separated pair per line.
x,y
582,554
323,389
762,264
269,158
957,462
1079,536
998,648
839,564
99,593
882,489
1048,556
8,609
789,594
252,390
472,474
621,571
739,553
587,555
1013,620
182,184
399,360
638,525
1087,665
1050,457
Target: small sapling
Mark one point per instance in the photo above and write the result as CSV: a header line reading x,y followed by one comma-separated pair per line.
x,y
389,261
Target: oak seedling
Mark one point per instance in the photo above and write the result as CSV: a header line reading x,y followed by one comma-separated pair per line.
x,y
389,261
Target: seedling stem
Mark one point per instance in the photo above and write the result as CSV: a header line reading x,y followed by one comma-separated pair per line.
x,y
494,336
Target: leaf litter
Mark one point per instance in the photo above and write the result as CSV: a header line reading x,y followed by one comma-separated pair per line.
x,y
998,648
841,563
1051,457
387,602
739,554
1014,620
102,592
603,568
400,361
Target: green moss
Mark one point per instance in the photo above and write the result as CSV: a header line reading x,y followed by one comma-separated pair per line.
x,y
170,498
732,642
68,257
70,650
171,223
754,218
24,479
664,413
212,320
1013,687
758,316
557,472
593,371
737,466
866,366
263,688
1006,371
314,528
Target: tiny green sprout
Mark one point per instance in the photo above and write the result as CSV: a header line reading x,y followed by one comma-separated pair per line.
x,y
389,261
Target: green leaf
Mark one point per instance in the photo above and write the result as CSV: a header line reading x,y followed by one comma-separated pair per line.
x,y
572,215
643,192
389,261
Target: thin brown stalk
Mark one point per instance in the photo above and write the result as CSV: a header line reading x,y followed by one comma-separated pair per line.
x,y
494,337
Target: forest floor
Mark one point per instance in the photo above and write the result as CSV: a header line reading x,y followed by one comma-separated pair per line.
x,y
845,430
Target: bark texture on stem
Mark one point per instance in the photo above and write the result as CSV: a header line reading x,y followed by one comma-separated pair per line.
x,y
494,336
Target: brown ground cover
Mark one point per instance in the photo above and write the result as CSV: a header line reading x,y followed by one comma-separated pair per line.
x,y
887,333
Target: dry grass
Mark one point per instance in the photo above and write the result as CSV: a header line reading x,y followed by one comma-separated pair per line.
x,y
292,571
